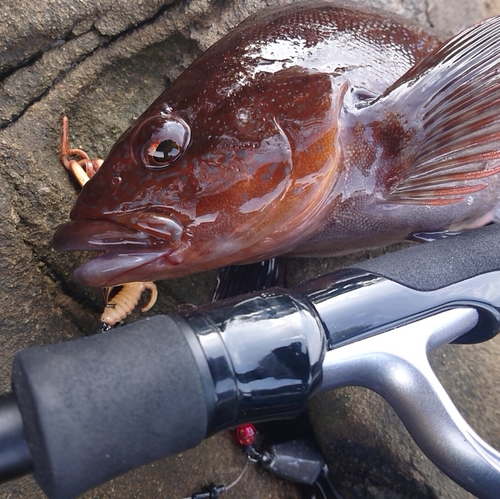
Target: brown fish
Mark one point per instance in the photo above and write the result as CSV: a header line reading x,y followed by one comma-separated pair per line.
x,y
312,129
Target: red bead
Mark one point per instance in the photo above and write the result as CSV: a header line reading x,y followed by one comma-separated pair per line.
x,y
246,434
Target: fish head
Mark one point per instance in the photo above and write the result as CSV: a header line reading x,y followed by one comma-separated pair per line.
x,y
209,176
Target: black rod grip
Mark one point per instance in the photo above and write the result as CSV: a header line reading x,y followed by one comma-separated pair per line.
x,y
96,407
434,265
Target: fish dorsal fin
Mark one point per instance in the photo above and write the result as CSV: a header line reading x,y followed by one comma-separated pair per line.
x,y
451,104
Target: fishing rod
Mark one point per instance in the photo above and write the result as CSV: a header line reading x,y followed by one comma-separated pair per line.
x,y
84,411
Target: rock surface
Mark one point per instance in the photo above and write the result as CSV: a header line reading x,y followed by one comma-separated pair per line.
x,y
101,62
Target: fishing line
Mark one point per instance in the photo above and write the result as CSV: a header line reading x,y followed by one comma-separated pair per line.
x,y
213,491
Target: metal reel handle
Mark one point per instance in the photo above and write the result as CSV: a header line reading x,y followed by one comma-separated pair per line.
x,y
395,365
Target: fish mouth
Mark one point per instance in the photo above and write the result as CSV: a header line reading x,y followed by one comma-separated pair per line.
x,y
132,247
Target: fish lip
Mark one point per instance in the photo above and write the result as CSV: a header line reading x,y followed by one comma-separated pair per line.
x,y
111,269
129,232
131,246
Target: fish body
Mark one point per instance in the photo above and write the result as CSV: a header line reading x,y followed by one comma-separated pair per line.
x,y
314,129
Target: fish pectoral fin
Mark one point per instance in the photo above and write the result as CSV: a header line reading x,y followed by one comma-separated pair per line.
x,y
450,105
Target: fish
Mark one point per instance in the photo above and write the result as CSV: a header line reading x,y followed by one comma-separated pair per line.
x,y
314,129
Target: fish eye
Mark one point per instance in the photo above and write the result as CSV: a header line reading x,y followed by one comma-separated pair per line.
x,y
163,153
162,140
